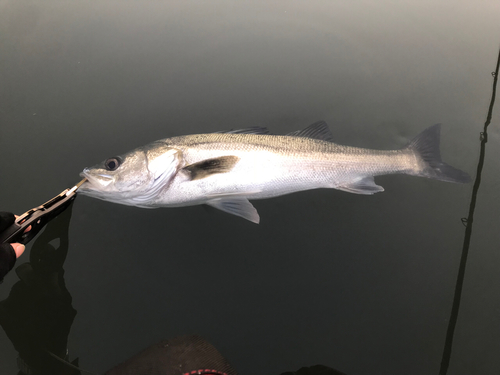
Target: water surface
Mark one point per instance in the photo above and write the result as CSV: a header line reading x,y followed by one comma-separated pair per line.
x,y
363,284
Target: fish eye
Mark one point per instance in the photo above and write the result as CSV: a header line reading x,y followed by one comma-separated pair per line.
x,y
112,163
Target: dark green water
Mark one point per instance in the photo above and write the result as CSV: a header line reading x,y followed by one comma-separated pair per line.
x,y
363,284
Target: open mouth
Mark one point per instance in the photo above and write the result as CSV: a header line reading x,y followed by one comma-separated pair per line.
x,y
95,182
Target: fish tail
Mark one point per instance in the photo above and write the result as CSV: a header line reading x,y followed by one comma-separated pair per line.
x,y
426,147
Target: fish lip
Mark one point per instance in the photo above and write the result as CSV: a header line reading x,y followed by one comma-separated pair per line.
x,y
87,185
85,173
92,183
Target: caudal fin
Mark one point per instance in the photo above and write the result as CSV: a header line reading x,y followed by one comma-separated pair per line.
x,y
426,146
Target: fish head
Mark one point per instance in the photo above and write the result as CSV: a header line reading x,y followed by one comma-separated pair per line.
x,y
135,178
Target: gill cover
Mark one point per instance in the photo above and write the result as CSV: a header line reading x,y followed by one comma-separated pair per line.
x,y
135,178
163,162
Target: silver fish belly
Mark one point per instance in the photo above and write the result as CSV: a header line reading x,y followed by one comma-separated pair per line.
x,y
225,170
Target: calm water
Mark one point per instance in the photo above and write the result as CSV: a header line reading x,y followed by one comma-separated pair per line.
x,y
363,284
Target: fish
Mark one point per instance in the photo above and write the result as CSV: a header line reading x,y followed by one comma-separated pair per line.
x,y
227,169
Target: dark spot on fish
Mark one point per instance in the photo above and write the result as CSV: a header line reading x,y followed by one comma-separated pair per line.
x,y
209,167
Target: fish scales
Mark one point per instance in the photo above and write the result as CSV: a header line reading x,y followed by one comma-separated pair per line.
x,y
279,158
225,170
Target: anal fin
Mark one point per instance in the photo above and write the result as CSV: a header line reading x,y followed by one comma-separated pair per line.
x,y
366,186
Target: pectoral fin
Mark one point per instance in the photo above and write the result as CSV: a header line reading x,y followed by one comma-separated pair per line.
x,y
238,206
366,186
209,167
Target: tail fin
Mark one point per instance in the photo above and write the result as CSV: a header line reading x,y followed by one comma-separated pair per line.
x,y
426,146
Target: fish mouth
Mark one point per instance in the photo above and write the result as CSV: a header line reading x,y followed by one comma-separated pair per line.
x,y
95,182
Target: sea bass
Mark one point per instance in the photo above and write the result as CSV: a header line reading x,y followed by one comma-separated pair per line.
x,y
226,169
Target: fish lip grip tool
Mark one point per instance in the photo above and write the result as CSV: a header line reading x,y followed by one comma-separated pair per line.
x,y
38,217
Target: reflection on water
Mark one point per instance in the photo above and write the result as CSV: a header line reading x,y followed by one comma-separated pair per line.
x,y
38,314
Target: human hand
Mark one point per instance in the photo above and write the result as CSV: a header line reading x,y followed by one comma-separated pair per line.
x,y
6,220
37,314
8,252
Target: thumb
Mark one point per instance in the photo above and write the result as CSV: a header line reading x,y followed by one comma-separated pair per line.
x,y
18,249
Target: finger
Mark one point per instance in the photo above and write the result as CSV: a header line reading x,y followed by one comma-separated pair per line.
x,y
27,229
18,249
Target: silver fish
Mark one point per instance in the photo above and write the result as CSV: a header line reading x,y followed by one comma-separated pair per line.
x,y
226,169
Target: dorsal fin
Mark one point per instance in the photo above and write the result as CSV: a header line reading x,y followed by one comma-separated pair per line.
x,y
252,130
318,130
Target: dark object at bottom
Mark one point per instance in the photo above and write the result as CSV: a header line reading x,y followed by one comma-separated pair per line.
x,y
184,355
315,370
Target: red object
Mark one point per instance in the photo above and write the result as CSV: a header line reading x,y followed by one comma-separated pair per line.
x,y
205,372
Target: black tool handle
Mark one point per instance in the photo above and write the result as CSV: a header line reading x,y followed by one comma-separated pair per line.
x,y
37,220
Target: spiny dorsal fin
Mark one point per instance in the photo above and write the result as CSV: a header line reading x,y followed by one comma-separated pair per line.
x,y
318,130
209,167
252,130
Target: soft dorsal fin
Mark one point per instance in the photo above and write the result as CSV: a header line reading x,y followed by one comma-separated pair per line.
x,y
318,130
212,166
252,130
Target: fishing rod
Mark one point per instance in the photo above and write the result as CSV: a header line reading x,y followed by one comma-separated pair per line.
x,y
445,361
